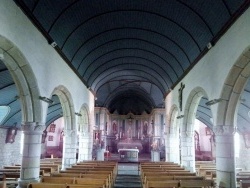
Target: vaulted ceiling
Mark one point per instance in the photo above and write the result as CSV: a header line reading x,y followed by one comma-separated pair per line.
x,y
130,53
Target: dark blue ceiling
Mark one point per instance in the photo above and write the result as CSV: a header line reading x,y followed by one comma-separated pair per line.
x,y
135,46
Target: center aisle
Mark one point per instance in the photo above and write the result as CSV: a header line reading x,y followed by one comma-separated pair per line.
x,y
128,175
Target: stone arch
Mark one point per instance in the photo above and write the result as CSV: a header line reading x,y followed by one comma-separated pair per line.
x,y
24,79
172,138
187,129
84,125
70,129
233,86
85,136
67,106
172,120
191,107
226,119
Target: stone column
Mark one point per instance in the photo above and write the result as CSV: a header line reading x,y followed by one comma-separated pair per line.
x,y
30,167
172,148
69,148
187,150
225,156
83,147
90,145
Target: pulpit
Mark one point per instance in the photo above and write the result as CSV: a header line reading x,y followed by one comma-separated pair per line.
x,y
128,155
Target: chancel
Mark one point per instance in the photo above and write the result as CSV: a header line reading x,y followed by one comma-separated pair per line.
x,y
130,133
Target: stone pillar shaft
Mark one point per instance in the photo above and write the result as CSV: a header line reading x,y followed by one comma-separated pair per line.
x,y
30,167
69,148
172,148
83,148
187,151
225,156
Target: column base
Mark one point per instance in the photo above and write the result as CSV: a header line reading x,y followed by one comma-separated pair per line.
x,y
24,183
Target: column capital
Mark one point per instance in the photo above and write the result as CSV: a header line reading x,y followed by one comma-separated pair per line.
x,y
83,134
224,130
187,133
33,127
69,132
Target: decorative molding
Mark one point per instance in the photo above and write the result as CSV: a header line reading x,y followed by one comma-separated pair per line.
x,y
224,130
32,127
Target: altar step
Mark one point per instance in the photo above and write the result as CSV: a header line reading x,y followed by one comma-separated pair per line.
x,y
128,181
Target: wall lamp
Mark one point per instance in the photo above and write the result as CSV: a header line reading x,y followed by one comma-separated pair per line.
x,y
180,116
53,43
78,114
45,99
212,102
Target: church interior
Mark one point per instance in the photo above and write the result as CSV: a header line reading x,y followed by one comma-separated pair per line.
x,y
90,88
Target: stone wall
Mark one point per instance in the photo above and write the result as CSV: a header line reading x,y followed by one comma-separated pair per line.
x,y
9,153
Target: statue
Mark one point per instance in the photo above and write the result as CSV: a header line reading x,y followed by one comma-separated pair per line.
x,y
129,133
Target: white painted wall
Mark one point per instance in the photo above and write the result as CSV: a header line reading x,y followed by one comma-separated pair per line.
x,y
215,65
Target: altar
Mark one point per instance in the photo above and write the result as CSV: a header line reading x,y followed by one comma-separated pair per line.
x,y
129,144
128,155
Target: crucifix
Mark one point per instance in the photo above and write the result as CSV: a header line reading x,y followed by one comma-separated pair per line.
x,y
180,95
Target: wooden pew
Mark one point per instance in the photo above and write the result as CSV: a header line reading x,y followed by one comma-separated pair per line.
x,y
160,178
58,180
100,181
46,185
91,168
45,169
84,186
109,174
162,184
197,183
163,175
76,175
167,178
92,181
169,173
3,184
244,183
